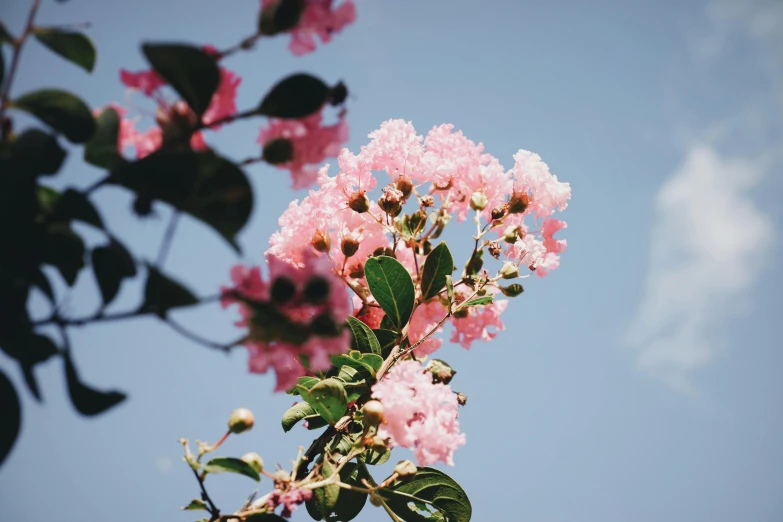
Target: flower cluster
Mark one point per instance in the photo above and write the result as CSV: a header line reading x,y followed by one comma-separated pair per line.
x,y
419,414
297,313
318,19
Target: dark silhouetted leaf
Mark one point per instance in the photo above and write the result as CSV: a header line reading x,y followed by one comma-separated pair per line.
x,y
196,505
111,264
37,152
279,16
362,337
191,71
391,285
432,487
12,416
86,400
74,205
62,111
40,281
102,150
65,251
437,266
206,186
72,46
231,465
296,96
161,293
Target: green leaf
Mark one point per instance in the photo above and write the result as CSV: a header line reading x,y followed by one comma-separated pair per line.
x,y
307,382
355,381
64,250
325,498
358,360
438,265
432,487
191,71
344,504
362,338
37,152
297,412
61,110
386,338
280,16
387,324
391,285
12,416
484,300
86,400
296,96
74,47
375,458
196,505
111,263
101,150
475,263
202,184
74,205
161,293
231,465
328,399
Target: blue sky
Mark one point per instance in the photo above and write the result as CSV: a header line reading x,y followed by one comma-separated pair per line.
x,y
640,381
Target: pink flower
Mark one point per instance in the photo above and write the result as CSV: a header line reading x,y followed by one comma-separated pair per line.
x,y
482,323
223,102
550,226
419,414
289,499
425,318
319,19
311,143
147,82
532,175
312,304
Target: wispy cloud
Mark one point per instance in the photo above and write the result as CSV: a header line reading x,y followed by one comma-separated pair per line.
x,y
710,240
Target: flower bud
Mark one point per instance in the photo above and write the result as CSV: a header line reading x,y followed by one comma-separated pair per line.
x,y
356,271
404,185
321,242
391,201
494,249
441,372
518,202
512,290
358,202
500,211
349,246
254,460
460,314
462,399
512,233
427,200
241,420
384,251
375,499
372,413
478,201
338,94
278,151
378,444
405,469
509,270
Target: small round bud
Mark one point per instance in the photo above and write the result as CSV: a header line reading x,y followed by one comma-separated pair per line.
x,y
404,185
512,290
462,399
391,201
512,233
240,420
509,270
321,242
372,413
142,206
478,201
316,290
518,202
494,249
278,151
378,444
254,460
358,202
375,499
383,251
356,271
461,313
338,94
349,246
427,200
405,469
500,211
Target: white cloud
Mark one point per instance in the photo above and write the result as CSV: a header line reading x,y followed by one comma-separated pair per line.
x,y
708,246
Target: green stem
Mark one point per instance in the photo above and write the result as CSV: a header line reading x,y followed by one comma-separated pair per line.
x,y
17,45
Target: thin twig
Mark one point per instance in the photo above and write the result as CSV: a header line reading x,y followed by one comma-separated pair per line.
x,y
184,332
17,45
213,509
168,237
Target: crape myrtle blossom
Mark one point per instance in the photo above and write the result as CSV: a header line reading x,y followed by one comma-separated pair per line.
x,y
320,19
173,117
295,312
419,414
